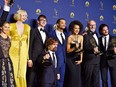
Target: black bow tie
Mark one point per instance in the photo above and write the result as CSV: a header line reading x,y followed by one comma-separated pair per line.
x,y
42,30
93,33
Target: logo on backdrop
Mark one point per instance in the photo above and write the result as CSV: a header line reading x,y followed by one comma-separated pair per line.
x,y
87,4
38,11
114,7
114,17
101,18
72,15
55,1
114,31
101,6
87,16
55,13
72,3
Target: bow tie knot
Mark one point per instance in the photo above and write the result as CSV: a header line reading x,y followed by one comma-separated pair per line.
x,y
42,30
93,33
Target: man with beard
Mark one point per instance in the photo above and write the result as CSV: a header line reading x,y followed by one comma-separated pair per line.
x,y
61,36
108,58
49,72
91,56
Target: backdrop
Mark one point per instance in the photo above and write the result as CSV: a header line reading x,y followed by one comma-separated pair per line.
x,y
102,11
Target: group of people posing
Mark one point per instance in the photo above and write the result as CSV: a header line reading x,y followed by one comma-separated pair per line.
x,y
59,58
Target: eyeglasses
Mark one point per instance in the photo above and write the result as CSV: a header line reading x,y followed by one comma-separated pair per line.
x,y
42,20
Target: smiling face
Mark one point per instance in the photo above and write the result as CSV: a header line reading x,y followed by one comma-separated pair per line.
x,y
76,29
92,25
42,22
5,28
23,17
61,24
105,31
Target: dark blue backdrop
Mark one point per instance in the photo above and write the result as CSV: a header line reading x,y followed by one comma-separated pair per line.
x,y
82,10
102,11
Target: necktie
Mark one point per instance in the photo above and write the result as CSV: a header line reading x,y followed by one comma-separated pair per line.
x,y
105,42
42,30
62,38
53,55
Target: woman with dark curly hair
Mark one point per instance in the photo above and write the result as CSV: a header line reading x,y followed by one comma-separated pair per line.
x,y
74,54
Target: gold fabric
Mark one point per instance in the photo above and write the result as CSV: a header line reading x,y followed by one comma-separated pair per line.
x,y
19,53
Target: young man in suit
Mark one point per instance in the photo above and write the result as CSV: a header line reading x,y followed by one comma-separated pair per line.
x,y
37,45
61,36
49,73
108,58
91,56
5,12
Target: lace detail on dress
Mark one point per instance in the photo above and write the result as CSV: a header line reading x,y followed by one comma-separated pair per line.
x,y
5,45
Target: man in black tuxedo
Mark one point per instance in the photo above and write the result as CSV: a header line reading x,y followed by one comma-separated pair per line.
x,y
49,73
5,12
108,58
91,56
38,38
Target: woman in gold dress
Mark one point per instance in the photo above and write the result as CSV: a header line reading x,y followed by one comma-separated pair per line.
x,y
19,33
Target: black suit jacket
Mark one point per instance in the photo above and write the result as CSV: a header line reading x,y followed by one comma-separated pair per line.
x,y
88,56
36,46
107,54
48,73
3,17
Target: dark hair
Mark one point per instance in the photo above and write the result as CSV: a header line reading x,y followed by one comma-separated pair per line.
x,y
59,20
41,16
101,28
73,23
50,41
3,25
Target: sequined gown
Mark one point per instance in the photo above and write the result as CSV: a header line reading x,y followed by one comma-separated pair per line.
x,y
6,68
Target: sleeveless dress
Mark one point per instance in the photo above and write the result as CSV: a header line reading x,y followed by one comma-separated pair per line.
x,y
6,68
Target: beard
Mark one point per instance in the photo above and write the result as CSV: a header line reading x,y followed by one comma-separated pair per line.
x,y
92,30
54,49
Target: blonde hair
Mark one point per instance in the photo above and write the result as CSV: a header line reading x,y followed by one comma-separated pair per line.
x,y
18,13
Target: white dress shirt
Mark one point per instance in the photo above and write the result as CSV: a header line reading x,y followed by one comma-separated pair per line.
x,y
96,39
6,8
52,57
107,40
58,34
43,35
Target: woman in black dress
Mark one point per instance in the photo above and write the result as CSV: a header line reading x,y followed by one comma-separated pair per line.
x,y
6,69
74,54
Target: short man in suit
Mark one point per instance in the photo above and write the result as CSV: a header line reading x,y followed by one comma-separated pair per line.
x,y
38,38
108,58
49,73
5,12
61,36
91,58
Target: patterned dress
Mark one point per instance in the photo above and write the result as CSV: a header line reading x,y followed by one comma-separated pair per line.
x,y
6,68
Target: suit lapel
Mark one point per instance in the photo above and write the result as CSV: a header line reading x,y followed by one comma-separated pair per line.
x,y
38,34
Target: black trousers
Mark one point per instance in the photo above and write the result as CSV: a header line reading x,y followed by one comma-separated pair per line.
x,y
91,75
104,74
32,78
